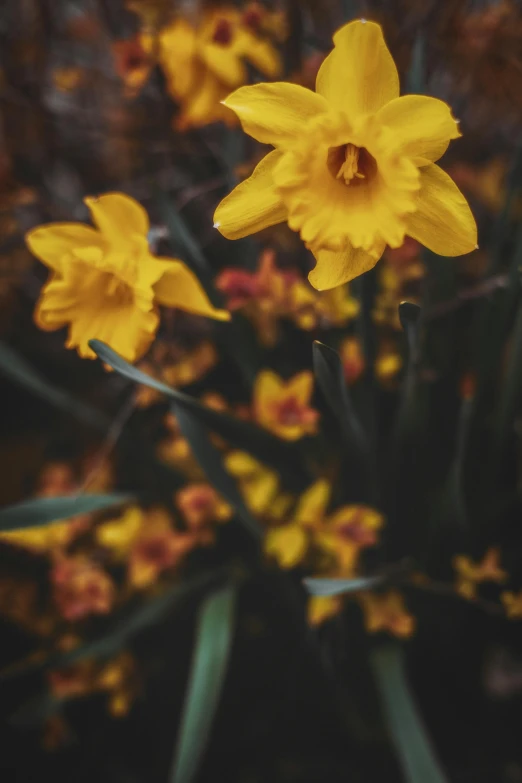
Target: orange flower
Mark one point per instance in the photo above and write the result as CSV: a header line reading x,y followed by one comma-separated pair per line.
x,y
155,549
346,532
352,358
283,407
471,574
201,506
386,612
132,63
80,588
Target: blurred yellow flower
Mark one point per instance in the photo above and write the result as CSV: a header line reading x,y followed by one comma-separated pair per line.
x,y
386,612
471,574
512,604
156,548
257,483
81,587
205,61
322,607
283,407
201,506
288,543
352,358
353,169
106,284
118,535
340,535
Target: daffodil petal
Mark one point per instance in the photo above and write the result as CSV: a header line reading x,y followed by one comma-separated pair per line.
x,y
443,221
275,113
359,75
253,204
179,287
118,217
53,243
80,300
334,268
422,126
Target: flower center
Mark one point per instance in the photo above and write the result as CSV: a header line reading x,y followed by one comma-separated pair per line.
x,y
118,291
352,164
222,32
290,412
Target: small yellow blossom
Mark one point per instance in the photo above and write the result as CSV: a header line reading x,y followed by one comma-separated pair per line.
x,y
353,167
81,587
347,531
204,61
387,364
202,506
471,574
512,604
105,284
322,607
283,407
289,542
386,612
352,358
258,484
118,535
116,678
155,549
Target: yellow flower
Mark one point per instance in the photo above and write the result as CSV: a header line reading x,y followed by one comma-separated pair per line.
x,y
118,535
352,357
345,532
283,407
202,506
353,169
386,613
322,607
156,548
289,543
471,574
203,63
106,284
257,483
512,604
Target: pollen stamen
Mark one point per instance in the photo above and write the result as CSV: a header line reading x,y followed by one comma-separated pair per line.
x,y
350,166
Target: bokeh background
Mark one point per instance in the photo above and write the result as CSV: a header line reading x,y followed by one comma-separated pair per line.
x,y
101,96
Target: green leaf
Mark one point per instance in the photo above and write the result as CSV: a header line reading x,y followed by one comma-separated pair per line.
x,y
413,746
42,511
242,435
14,367
329,372
324,587
215,631
182,241
210,460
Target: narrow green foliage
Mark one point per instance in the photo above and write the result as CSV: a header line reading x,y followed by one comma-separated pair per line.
x,y
323,587
413,747
210,460
42,511
214,636
13,366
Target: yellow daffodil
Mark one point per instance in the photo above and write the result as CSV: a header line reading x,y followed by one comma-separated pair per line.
x,y
205,61
353,168
106,284
471,574
283,407
386,612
